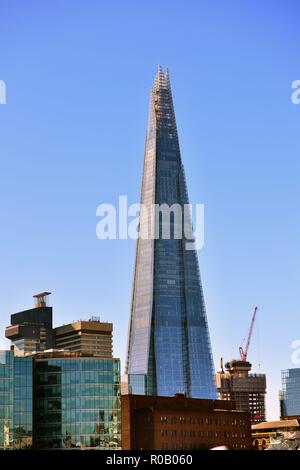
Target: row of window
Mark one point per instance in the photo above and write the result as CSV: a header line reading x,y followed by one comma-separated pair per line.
x,y
78,403
55,430
51,442
225,434
74,389
79,364
77,416
85,341
208,421
77,378
184,446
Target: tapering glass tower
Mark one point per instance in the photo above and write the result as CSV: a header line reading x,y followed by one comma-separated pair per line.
x,y
169,347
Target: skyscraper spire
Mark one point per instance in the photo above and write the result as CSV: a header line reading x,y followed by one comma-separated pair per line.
x,y
159,81
169,346
167,76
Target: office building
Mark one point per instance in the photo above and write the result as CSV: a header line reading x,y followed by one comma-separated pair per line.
x,y
246,390
77,401
169,346
181,423
59,400
16,380
89,337
290,393
31,330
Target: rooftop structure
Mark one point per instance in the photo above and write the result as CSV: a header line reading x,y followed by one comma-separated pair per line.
x,y
31,330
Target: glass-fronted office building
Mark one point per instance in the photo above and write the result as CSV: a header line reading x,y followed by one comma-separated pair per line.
x,y
77,403
59,400
169,346
16,380
290,393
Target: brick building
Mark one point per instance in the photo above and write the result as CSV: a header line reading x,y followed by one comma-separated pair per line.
x,y
180,423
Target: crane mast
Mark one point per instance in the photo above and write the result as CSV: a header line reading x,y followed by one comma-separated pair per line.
x,y
244,353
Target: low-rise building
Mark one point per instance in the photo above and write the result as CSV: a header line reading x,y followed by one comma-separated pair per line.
x,y
59,400
181,423
284,434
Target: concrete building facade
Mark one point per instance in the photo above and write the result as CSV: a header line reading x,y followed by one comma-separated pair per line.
x,y
89,337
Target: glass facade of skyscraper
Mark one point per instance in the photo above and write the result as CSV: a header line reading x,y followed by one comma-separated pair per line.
x,y
169,347
77,403
290,394
16,381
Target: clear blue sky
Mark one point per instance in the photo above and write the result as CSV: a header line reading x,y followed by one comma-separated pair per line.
x,y
72,134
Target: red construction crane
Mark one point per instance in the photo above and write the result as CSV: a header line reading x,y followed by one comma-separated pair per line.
x,y
243,353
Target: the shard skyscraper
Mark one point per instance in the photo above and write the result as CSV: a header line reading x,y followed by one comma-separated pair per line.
x,y
168,347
